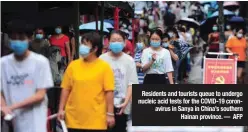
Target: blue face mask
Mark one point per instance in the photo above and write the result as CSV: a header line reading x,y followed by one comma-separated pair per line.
x,y
84,50
215,28
155,44
58,30
19,47
116,47
39,36
140,46
165,45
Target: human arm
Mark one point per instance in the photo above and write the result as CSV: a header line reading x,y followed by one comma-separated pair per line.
x,y
73,45
43,81
138,65
169,67
63,99
36,98
108,83
66,86
147,66
170,77
229,46
146,63
68,51
229,50
4,108
173,55
132,79
209,38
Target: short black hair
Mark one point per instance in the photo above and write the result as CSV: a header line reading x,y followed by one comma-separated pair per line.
x,y
174,30
158,32
182,29
166,35
95,40
20,27
117,32
239,28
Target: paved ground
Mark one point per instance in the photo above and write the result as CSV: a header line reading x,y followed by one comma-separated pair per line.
x,y
195,76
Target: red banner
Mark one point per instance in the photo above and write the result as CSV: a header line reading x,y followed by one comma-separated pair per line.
x,y
219,71
116,18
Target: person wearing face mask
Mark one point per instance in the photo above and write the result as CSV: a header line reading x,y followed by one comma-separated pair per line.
x,y
213,42
156,61
40,44
229,32
128,49
105,44
63,42
25,78
181,49
237,45
125,74
169,17
140,46
86,101
166,44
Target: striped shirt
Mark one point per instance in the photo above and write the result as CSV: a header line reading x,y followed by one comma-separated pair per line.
x,y
137,58
182,48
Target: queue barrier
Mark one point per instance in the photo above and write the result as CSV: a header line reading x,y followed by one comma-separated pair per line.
x,y
60,126
220,70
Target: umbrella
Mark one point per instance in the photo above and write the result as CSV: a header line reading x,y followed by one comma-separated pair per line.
x,y
213,4
92,26
191,22
237,19
109,21
205,2
230,3
105,24
206,26
226,13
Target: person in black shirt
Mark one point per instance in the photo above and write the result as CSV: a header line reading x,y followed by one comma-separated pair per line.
x,y
40,45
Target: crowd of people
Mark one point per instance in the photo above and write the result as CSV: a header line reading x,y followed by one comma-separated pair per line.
x,y
236,43
97,87
99,79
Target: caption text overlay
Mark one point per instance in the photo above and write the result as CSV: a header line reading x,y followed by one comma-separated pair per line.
x,y
190,105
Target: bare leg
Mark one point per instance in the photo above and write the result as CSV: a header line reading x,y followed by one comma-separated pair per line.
x,y
239,74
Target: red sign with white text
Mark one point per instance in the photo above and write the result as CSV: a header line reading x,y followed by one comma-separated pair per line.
x,y
219,71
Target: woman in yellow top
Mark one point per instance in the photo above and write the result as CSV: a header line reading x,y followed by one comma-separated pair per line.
x,y
237,45
87,93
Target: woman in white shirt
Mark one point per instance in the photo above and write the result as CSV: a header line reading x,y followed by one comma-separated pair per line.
x,y
156,61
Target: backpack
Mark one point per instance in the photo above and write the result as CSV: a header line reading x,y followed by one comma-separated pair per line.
x,y
54,57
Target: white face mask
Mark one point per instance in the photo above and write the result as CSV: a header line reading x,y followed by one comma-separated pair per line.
x,y
228,27
171,34
239,35
79,39
237,12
